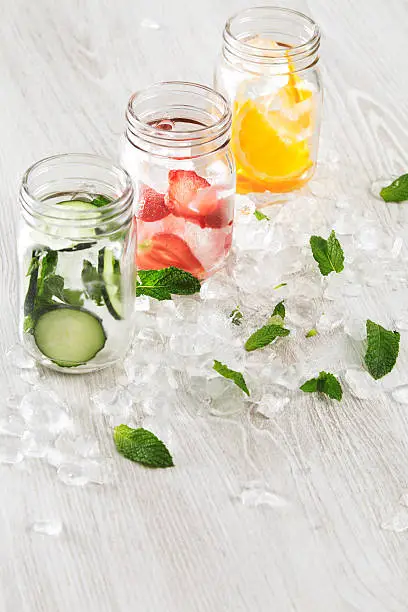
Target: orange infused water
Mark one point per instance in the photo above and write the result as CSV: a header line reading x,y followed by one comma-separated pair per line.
x,y
268,70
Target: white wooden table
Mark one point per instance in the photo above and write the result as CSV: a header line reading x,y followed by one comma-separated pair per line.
x,y
178,539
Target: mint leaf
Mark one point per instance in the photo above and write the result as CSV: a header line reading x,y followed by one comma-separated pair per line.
x,y
382,349
325,383
260,215
236,377
311,333
397,191
328,253
92,282
73,297
279,310
161,284
141,446
101,200
236,316
264,336
280,286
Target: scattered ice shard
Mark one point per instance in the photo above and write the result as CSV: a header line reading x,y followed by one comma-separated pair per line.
x,y
113,401
398,522
19,358
400,394
257,493
150,24
50,527
44,410
12,425
361,384
11,450
272,404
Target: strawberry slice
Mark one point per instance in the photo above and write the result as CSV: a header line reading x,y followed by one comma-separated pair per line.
x,y
192,197
163,250
152,205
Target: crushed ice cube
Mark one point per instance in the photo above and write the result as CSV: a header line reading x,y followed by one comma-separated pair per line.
x,y
12,425
400,394
397,523
19,358
113,401
150,24
44,410
272,404
257,493
73,474
50,527
361,384
11,450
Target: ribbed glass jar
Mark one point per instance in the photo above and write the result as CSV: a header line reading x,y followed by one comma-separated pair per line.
x,y
176,149
77,273
268,70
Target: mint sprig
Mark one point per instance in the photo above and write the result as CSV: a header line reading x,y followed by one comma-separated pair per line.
x,y
328,253
233,375
142,446
268,333
325,383
260,215
161,284
279,310
382,349
397,191
92,282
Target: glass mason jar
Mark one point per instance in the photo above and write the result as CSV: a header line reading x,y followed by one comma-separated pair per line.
x,y
268,71
76,252
176,149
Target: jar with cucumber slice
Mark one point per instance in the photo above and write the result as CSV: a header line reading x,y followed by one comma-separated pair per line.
x,y
76,253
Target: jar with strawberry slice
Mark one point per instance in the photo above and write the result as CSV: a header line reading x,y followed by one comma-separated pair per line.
x,y
176,148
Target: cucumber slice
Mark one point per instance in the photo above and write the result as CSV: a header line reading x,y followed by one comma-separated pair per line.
x,y
68,335
79,205
109,269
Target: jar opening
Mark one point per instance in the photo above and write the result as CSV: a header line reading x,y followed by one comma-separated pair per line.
x,y
77,178
175,114
272,35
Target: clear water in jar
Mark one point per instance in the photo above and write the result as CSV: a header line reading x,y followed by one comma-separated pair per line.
x,y
184,206
76,295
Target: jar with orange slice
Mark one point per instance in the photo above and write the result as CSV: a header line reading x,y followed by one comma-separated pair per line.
x,y
268,70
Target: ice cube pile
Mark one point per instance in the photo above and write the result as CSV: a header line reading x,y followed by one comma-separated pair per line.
x,y
169,369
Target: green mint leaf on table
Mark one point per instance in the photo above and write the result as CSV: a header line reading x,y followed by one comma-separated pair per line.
x,y
397,191
101,200
92,282
311,333
280,286
141,446
236,316
161,284
260,215
279,310
325,383
328,253
264,336
382,349
236,377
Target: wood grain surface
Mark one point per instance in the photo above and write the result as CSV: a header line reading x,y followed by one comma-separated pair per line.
x,y
178,540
